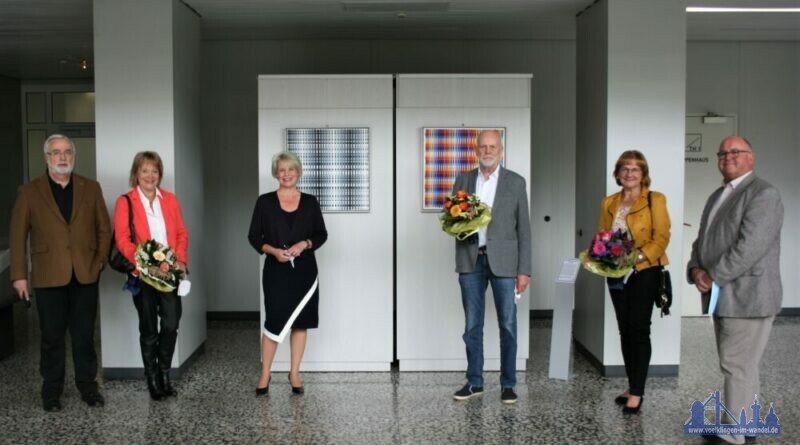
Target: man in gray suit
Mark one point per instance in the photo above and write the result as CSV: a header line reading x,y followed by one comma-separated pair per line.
x,y
499,254
738,249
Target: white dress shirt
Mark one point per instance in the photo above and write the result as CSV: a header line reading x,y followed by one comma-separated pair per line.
x,y
155,218
729,188
485,189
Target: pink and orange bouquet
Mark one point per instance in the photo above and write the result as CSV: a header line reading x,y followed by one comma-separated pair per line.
x,y
610,254
464,215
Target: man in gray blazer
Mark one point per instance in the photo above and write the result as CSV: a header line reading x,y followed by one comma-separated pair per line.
x,y
738,249
499,254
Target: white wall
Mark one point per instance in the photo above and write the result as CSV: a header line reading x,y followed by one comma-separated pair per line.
x,y
759,82
355,265
136,105
430,316
641,46
590,172
228,104
646,111
189,172
133,112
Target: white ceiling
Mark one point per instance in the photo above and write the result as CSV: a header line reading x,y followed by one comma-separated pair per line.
x,y
47,39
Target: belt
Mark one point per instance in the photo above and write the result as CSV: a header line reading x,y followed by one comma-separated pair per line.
x,y
482,250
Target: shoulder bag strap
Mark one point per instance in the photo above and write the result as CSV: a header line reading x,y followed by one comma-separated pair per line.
x,y
130,218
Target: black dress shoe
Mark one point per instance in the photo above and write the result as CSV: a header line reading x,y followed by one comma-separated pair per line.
x,y
260,392
51,405
93,398
296,389
621,400
634,410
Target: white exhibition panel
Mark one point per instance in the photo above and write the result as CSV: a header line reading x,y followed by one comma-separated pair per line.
x,y
355,264
430,317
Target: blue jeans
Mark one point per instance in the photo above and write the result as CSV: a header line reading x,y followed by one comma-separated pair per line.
x,y
473,297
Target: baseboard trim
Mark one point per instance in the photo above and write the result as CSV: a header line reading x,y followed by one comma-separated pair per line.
x,y
789,311
138,373
233,316
619,370
541,314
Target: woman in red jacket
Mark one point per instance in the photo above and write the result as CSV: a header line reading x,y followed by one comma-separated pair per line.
x,y
156,215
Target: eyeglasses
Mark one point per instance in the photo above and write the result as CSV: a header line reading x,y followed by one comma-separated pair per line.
x,y
630,171
732,153
58,153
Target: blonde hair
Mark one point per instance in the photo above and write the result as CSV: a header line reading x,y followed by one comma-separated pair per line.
x,y
288,157
141,158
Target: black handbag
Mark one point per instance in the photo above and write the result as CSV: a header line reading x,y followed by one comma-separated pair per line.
x,y
663,298
116,259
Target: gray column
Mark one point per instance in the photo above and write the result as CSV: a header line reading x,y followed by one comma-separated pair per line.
x,y
631,94
146,84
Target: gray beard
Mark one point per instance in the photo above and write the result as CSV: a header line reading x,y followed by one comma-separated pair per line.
x,y
60,171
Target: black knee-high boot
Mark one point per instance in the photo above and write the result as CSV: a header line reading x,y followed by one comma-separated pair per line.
x,y
152,372
166,383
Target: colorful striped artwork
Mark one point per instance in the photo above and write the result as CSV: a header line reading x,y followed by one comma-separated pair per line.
x,y
335,166
447,153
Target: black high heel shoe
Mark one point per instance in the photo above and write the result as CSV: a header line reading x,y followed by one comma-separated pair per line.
x,y
260,392
621,400
295,389
633,410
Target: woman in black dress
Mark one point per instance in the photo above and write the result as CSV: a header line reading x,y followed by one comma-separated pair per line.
x,y
287,226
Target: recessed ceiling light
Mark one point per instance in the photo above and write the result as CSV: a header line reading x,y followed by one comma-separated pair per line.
x,y
395,6
721,9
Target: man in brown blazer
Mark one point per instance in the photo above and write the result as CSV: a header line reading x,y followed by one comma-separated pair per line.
x,y
66,217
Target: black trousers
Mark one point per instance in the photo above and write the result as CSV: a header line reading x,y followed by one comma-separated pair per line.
x,y
72,307
634,308
157,345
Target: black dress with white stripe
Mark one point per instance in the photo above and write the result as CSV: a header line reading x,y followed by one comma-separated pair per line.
x,y
291,293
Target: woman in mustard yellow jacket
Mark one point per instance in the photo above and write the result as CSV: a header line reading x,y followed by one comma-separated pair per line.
x,y
643,214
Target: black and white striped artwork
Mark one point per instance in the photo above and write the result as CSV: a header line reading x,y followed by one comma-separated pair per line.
x,y
335,166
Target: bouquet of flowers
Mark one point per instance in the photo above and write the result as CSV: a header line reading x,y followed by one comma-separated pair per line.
x,y
611,254
464,215
156,266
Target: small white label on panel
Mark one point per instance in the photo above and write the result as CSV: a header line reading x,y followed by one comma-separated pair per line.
x,y
569,271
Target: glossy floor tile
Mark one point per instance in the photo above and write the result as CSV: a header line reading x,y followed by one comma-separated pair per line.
x,y
216,403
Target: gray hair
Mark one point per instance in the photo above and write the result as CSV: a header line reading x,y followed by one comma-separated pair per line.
x,y
495,131
288,157
58,136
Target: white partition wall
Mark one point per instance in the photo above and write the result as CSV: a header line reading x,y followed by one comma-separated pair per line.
x,y
631,56
430,318
147,99
355,265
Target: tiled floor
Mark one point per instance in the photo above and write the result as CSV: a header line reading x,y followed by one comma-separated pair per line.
x,y
217,405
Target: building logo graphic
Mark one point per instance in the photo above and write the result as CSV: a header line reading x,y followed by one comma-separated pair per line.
x,y
699,424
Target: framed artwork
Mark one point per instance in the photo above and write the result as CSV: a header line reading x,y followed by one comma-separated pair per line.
x,y
335,166
448,152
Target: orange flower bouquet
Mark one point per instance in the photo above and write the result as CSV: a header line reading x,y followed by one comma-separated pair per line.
x,y
464,215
